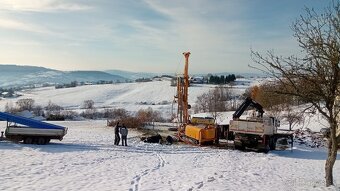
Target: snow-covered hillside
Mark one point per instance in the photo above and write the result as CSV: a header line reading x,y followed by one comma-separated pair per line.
x,y
158,95
14,75
87,160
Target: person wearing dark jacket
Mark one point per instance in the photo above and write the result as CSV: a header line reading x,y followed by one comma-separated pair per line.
x,y
117,137
124,133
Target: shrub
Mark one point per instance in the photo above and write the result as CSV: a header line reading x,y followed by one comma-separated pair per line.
x,y
88,104
69,114
57,117
148,115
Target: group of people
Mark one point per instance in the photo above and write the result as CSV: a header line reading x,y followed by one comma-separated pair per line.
x,y
122,130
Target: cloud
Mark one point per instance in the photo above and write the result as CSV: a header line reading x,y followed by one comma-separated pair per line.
x,y
204,26
150,32
17,25
42,5
219,34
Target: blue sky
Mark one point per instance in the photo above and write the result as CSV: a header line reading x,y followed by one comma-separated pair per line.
x,y
147,35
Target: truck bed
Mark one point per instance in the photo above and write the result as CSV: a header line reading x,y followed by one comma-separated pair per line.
x,y
21,133
30,130
34,131
251,127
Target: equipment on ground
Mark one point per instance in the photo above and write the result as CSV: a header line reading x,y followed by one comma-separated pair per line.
x,y
255,132
31,131
152,139
197,131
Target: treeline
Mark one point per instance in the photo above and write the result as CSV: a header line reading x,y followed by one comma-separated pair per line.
x,y
222,79
75,84
143,80
88,110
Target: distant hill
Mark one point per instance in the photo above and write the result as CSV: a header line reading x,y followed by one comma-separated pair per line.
x,y
93,76
14,75
131,75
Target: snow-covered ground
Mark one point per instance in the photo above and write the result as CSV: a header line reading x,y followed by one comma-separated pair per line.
x,y
158,95
131,96
87,160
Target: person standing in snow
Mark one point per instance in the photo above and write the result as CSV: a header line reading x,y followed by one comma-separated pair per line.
x,y
124,133
117,137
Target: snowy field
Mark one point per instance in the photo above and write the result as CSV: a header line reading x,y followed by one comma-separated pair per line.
x,y
87,160
158,95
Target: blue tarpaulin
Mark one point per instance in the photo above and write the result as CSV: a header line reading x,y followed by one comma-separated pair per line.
x,y
28,122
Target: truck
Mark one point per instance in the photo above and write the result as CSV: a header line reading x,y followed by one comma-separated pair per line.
x,y
257,131
31,131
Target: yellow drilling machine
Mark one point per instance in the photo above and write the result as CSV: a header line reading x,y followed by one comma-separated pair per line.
x,y
196,130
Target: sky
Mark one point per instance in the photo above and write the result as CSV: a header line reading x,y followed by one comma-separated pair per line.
x,y
147,35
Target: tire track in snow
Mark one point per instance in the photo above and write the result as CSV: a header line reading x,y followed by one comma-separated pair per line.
x,y
136,179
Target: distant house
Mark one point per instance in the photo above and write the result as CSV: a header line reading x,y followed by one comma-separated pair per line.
x,y
173,82
197,80
8,94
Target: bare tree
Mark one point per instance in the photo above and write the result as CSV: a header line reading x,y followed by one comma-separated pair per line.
x,y
314,78
214,101
9,108
90,111
38,110
293,117
88,104
25,104
202,103
53,109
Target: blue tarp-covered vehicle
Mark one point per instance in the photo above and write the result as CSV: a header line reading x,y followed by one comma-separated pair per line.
x,y
30,130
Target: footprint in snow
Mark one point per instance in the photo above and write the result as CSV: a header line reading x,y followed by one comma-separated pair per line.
x,y
200,185
210,179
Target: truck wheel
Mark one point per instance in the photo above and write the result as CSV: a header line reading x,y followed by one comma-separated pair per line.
x,y
265,150
28,140
240,146
272,143
41,141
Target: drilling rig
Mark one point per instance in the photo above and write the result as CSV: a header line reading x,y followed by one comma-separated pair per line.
x,y
196,130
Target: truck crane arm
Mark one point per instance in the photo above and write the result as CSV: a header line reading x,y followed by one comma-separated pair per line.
x,y
248,102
